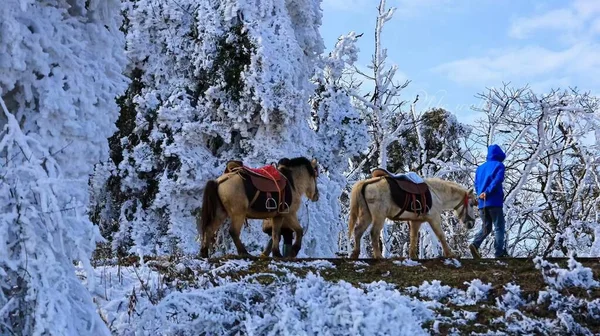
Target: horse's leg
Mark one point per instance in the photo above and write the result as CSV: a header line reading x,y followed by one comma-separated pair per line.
x,y
275,235
436,226
208,234
378,222
237,221
363,223
414,238
294,224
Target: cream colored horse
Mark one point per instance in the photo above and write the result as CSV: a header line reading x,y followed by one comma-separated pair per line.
x,y
371,202
226,197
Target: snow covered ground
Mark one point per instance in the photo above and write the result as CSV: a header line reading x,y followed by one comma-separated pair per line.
x,y
340,297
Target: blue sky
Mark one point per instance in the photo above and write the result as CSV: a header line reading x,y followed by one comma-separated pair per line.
x,y
453,49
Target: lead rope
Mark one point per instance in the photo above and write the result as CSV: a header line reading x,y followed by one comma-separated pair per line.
x,y
307,217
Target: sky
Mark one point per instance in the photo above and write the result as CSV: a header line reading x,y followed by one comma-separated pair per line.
x,y
451,50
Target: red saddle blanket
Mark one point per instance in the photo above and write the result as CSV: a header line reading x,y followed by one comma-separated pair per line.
x,y
268,171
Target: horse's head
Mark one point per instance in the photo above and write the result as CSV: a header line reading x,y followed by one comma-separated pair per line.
x,y
307,173
465,211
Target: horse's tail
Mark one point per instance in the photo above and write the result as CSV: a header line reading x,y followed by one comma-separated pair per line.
x,y
210,203
357,200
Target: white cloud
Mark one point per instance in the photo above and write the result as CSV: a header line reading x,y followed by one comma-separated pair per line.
x,y
587,8
571,21
530,63
558,20
403,7
576,61
349,5
595,27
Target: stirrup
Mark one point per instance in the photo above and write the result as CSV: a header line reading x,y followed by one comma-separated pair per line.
x,y
419,208
286,208
268,203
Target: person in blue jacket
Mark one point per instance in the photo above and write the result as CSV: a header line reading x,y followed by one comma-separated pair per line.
x,y
488,185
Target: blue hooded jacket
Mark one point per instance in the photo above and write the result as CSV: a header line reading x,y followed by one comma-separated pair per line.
x,y
489,177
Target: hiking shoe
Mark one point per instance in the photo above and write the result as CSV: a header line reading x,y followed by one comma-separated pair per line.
x,y
474,252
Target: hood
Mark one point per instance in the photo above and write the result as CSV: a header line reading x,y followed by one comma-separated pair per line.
x,y
495,153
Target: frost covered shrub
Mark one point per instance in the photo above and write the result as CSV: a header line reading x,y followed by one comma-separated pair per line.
x,y
61,69
290,306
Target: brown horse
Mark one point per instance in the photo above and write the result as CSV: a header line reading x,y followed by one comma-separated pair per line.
x,y
267,226
226,197
371,202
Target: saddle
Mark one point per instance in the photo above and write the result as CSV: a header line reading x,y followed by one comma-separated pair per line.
x,y
263,184
409,191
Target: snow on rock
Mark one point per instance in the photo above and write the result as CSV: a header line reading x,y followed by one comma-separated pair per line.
x,y
453,262
477,290
316,264
434,290
575,276
407,262
511,299
361,264
231,266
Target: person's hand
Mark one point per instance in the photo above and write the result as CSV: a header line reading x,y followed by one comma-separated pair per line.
x,y
482,196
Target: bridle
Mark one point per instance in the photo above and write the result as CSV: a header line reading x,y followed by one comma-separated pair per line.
x,y
464,214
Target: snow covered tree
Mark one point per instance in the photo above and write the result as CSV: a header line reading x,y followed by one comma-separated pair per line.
x,y
551,182
215,81
61,65
381,106
341,130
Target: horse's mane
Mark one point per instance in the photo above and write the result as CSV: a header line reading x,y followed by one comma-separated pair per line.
x,y
286,164
297,162
440,183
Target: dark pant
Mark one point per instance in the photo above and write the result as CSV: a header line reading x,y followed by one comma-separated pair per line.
x,y
492,216
288,235
288,238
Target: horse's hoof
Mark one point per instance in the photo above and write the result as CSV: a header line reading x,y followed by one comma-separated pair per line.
x,y
204,252
263,256
354,255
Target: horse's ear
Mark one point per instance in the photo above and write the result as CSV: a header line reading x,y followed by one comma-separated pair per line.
x,y
314,163
470,191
